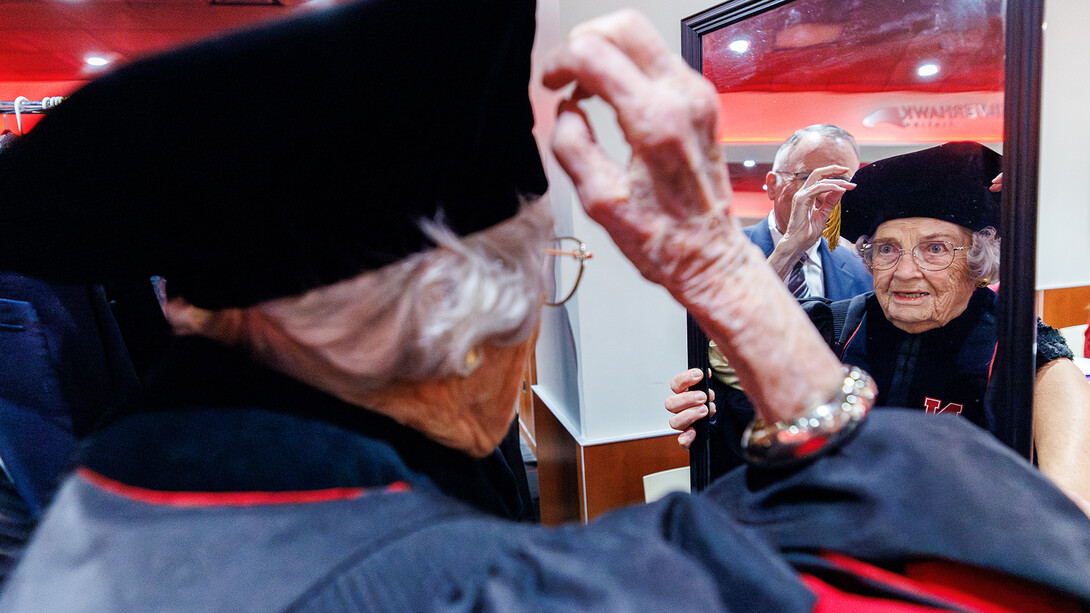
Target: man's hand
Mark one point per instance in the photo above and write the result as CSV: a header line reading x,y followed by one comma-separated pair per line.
x,y
810,210
687,407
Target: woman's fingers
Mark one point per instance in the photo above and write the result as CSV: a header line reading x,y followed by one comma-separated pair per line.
x,y
597,177
666,111
633,34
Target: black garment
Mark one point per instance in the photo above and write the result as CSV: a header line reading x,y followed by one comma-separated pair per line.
x,y
140,320
63,365
1050,345
914,486
945,370
430,96
218,417
905,488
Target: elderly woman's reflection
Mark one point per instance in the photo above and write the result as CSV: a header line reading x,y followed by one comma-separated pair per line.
x,y
925,223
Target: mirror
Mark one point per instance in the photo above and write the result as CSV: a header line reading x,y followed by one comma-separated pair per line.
x,y
899,77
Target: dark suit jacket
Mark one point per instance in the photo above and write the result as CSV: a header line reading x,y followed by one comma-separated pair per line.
x,y
64,363
843,272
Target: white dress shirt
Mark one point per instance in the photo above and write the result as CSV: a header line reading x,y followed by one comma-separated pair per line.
x,y
811,268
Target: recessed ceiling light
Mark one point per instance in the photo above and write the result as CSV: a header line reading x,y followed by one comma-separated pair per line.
x,y
739,46
928,70
96,60
749,163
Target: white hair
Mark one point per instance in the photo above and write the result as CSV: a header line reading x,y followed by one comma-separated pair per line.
x,y
424,316
983,256
484,288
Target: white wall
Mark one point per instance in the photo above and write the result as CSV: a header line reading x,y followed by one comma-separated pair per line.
x,y
1063,222
605,359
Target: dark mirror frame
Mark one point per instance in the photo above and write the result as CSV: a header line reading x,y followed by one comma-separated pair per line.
x,y
1014,372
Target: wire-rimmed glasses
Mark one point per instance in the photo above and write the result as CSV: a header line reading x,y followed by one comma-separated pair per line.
x,y
564,258
929,255
801,175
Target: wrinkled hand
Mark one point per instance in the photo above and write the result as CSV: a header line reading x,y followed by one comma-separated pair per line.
x,y
675,186
666,209
811,207
814,202
687,407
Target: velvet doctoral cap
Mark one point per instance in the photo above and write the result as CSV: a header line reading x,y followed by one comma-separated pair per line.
x,y
271,161
949,182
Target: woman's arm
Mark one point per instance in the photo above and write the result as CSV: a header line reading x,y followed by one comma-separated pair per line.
x,y
1061,428
667,208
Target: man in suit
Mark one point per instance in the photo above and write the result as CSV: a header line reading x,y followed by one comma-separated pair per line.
x,y
810,172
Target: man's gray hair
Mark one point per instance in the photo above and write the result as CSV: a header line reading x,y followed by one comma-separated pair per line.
x,y
822,130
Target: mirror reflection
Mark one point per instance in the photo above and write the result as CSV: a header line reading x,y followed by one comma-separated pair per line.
x,y
899,77
868,84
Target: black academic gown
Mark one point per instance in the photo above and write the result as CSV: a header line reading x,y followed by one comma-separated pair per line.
x,y
242,490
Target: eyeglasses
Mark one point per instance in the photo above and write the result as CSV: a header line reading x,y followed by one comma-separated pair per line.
x,y
929,255
801,175
564,258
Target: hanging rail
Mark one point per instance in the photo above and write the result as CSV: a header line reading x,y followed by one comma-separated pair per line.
x,y
29,107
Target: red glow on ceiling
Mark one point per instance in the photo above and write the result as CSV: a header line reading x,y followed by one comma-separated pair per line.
x,y
48,40
851,47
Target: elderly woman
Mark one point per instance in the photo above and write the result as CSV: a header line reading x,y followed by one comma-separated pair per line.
x,y
289,455
924,223
930,326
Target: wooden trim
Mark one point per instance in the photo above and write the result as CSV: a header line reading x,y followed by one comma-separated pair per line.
x,y
527,405
579,483
1069,306
613,472
558,473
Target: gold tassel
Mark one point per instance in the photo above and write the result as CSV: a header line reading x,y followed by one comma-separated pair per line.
x,y
832,228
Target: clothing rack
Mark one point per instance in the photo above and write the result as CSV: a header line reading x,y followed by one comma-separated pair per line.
x,y
29,107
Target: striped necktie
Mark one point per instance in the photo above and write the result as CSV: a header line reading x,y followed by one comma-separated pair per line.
x,y
796,281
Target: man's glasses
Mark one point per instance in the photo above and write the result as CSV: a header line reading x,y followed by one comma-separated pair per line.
x,y
801,175
930,255
564,257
